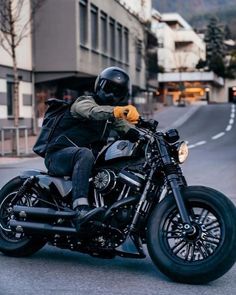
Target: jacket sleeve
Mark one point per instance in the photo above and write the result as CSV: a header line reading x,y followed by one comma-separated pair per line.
x,y
85,108
121,126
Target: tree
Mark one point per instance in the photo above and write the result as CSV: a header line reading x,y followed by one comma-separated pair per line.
x,y
227,32
15,25
231,69
201,64
215,48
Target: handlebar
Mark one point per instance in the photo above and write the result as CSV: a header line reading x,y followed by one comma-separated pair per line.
x,y
147,124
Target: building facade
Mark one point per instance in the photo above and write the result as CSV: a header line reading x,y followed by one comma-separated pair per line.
x,y
74,40
24,62
142,8
179,50
180,47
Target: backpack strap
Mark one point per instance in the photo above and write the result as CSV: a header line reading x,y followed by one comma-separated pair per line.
x,y
55,123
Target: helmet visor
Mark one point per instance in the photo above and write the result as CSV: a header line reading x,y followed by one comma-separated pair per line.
x,y
117,90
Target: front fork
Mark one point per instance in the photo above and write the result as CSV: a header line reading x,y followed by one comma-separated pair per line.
x,y
172,176
180,204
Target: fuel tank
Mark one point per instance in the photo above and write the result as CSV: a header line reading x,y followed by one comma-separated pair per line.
x,y
118,149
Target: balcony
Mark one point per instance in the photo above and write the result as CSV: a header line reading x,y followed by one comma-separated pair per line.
x,y
191,76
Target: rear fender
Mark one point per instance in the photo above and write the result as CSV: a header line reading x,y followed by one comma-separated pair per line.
x,y
45,181
23,176
32,172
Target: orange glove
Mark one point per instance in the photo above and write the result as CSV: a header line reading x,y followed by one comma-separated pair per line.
x,y
128,113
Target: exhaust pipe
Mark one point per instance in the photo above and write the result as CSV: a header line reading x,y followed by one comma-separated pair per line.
x,y
41,228
117,205
42,213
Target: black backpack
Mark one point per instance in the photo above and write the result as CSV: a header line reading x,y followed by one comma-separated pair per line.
x,y
55,111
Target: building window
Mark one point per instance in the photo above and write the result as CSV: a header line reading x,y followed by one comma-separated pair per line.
x,y
138,55
83,21
126,44
94,27
112,38
103,32
120,41
10,96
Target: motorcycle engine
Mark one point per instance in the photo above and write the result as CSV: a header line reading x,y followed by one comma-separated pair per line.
x,y
112,185
104,181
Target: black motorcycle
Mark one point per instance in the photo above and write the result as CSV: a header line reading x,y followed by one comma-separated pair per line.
x,y
143,198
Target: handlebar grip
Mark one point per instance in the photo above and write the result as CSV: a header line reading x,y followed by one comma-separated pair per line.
x,y
147,124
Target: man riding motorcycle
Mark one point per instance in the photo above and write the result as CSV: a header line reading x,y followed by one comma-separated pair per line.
x,y
84,130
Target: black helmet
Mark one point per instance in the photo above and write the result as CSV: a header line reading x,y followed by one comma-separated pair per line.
x,y
111,86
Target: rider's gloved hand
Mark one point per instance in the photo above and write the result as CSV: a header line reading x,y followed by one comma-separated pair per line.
x,y
128,113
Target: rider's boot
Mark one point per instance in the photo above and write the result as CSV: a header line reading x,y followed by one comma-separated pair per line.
x,y
85,213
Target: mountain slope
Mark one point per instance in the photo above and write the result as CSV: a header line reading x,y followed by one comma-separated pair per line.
x,y
197,12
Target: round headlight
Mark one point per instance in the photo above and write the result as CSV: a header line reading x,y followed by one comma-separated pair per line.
x,y
182,152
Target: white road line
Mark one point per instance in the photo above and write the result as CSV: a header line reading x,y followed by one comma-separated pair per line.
x,y
200,143
191,146
228,128
231,121
218,135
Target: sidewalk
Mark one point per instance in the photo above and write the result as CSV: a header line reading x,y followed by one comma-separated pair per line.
x,y
8,159
168,117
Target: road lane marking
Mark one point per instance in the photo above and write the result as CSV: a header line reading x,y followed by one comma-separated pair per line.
x,y
228,128
231,121
191,146
200,142
218,135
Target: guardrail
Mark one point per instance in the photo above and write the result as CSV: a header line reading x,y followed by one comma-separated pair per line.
x,y
14,131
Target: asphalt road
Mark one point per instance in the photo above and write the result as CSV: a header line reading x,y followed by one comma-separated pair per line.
x,y
211,136
211,133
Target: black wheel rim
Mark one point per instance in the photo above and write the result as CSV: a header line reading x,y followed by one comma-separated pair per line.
x,y
6,214
206,239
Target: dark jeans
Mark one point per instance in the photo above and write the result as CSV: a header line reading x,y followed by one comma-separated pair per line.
x,y
77,163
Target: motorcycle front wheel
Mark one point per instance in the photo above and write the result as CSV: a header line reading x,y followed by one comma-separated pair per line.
x,y
13,243
205,254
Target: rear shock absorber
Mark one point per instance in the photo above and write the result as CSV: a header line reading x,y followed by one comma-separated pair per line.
x,y
27,185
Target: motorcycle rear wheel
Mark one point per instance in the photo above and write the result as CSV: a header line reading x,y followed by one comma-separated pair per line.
x,y
206,254
12,243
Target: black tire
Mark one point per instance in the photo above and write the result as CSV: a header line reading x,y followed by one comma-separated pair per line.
x,y
11,243
204,256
